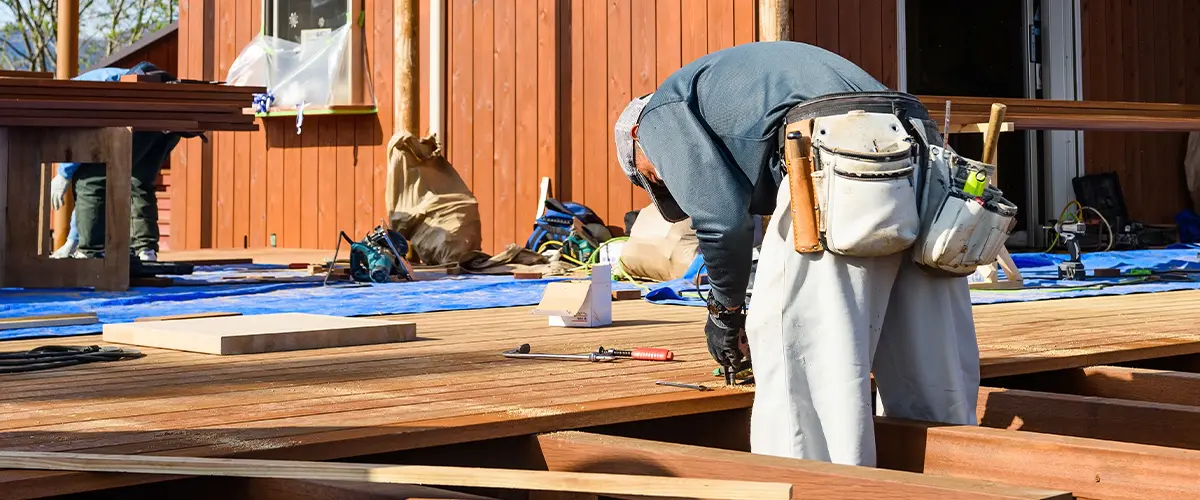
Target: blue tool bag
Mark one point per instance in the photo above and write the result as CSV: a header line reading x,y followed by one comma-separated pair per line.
x,y
558,221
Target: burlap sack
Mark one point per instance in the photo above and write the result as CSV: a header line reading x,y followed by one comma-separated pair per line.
x,y
1191,167
429,203
657,249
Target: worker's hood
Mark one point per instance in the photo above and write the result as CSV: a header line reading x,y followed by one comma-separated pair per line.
x,y
626,150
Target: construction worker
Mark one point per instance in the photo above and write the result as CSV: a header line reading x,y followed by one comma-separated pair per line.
x,y
706,145
150,150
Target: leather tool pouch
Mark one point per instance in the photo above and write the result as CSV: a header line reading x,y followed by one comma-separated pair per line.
x,y
960,231
863,173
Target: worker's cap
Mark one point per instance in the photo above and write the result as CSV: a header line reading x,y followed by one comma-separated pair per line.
x,y
623,135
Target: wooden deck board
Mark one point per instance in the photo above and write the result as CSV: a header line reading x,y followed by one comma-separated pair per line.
x,y
452,385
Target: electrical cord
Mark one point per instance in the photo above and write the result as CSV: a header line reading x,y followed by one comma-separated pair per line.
x,y
53,356
1078,217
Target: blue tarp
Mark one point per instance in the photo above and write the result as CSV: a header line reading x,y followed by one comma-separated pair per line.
x,y
212,292
430,293
1039,270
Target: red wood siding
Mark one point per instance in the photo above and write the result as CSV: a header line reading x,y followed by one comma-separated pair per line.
x,y
1146,53
532,88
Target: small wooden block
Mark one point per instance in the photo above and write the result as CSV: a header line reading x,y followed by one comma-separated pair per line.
x,y
298,265
626,294
315,269
1106,273
186,316
527,276
48,320
454,271
259,333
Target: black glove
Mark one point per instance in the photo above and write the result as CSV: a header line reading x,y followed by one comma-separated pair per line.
x,y
726,331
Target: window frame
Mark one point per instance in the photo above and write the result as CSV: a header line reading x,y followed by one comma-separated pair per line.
x,y
357,76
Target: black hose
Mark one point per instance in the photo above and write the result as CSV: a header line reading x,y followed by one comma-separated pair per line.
x,y
47,357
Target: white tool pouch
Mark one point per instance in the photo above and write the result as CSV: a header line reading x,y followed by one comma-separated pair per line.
x,y
864,167
960,231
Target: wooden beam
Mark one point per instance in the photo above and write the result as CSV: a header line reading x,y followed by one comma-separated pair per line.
x,y
1090,417
1088,468
406,70
1116,382
774,20
66,67
607,484
48,320
586,452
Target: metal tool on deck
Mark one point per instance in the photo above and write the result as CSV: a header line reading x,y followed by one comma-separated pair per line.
x,y
522,351
697,387
1071,268
641,353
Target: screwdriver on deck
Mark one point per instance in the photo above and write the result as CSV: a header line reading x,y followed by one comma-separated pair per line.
x,y
641,353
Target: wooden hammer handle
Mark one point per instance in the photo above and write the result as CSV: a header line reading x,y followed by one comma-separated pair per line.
x,y
991,139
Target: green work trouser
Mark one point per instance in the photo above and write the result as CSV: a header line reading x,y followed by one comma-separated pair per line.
x,y
150,151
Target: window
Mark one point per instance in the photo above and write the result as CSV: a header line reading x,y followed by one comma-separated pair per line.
x,y
329,34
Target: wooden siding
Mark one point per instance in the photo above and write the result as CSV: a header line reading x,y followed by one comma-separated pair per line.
x,y
1147,53
532,88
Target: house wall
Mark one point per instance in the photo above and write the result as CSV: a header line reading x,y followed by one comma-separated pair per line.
x,y
1146,52
532,87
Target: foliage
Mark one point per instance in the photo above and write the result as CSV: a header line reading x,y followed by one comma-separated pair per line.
x,y
27,38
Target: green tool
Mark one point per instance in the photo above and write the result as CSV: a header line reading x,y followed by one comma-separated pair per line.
x,y
976,183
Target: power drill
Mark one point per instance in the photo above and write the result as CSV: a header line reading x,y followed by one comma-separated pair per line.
x,y
1072,268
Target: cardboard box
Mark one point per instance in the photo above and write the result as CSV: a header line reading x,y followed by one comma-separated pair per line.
x,y
579,303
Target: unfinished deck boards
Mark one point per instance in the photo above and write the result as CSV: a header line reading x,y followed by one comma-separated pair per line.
x,y
452,385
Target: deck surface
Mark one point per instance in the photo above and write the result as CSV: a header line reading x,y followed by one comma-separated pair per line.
x,y
452,385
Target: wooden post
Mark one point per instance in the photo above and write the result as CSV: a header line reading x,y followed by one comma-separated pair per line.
x,y
406,84
774,20
66,66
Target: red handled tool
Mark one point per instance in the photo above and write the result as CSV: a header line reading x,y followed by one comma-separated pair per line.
x,y
642,353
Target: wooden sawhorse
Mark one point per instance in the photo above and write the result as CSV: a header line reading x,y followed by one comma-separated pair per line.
x,y
25,245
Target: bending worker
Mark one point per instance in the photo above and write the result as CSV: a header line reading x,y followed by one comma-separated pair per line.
x,y
706,145
150,150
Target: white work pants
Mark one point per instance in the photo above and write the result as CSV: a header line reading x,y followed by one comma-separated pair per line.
x,y
819,324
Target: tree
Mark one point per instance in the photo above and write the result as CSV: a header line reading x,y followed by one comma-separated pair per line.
x,y
105,26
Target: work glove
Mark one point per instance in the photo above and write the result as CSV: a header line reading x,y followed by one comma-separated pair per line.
x,y
58,191
726,335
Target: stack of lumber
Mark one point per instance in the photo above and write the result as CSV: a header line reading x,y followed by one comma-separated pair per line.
x,y
1043,114
180,107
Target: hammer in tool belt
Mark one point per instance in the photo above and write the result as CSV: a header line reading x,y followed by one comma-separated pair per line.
x,y
805,211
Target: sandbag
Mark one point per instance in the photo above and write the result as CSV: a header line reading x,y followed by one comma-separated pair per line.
x,y
429,203
659,250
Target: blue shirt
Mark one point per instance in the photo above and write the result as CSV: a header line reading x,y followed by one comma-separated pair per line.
x,y
67,170
710,130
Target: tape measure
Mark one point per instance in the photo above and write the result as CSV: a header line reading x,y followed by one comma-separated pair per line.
x,y
976,183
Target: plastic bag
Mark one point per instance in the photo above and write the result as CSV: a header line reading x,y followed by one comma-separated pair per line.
x,y
314,72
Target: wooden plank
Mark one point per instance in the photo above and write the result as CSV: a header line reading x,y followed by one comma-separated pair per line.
x,y
849,42
1114,382
504,155
668,38
594,453
324,227
483,164
574,186
804,21
345,179
745,21
596,127
828,26
299,489
613,484
48,321
528,28
1082,416
890,38
215,262
259,333
694,15
643,18
720,24
1088,468
872,48
174,317
4,179
381,49
462,87
619,50
552,126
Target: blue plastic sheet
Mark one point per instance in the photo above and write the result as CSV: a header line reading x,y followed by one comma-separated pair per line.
x,y
430,293
1040,271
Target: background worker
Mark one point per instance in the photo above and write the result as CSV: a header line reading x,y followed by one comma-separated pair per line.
x,y
150,150
706,145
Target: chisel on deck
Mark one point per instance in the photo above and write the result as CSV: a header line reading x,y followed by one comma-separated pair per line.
x,y
523,352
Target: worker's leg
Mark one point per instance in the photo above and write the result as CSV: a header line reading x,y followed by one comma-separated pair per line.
x,y
927,363
813,323
89,208
151,149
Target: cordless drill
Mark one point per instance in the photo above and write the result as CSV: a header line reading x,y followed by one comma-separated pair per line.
x,y
1072,268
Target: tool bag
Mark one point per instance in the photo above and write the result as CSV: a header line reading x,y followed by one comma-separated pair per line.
x,y
961,228
879,185
560,220
861,164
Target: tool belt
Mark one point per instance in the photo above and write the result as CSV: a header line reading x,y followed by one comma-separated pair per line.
x,y
866,182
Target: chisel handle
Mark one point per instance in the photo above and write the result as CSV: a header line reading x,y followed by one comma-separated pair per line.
x,y
652,354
